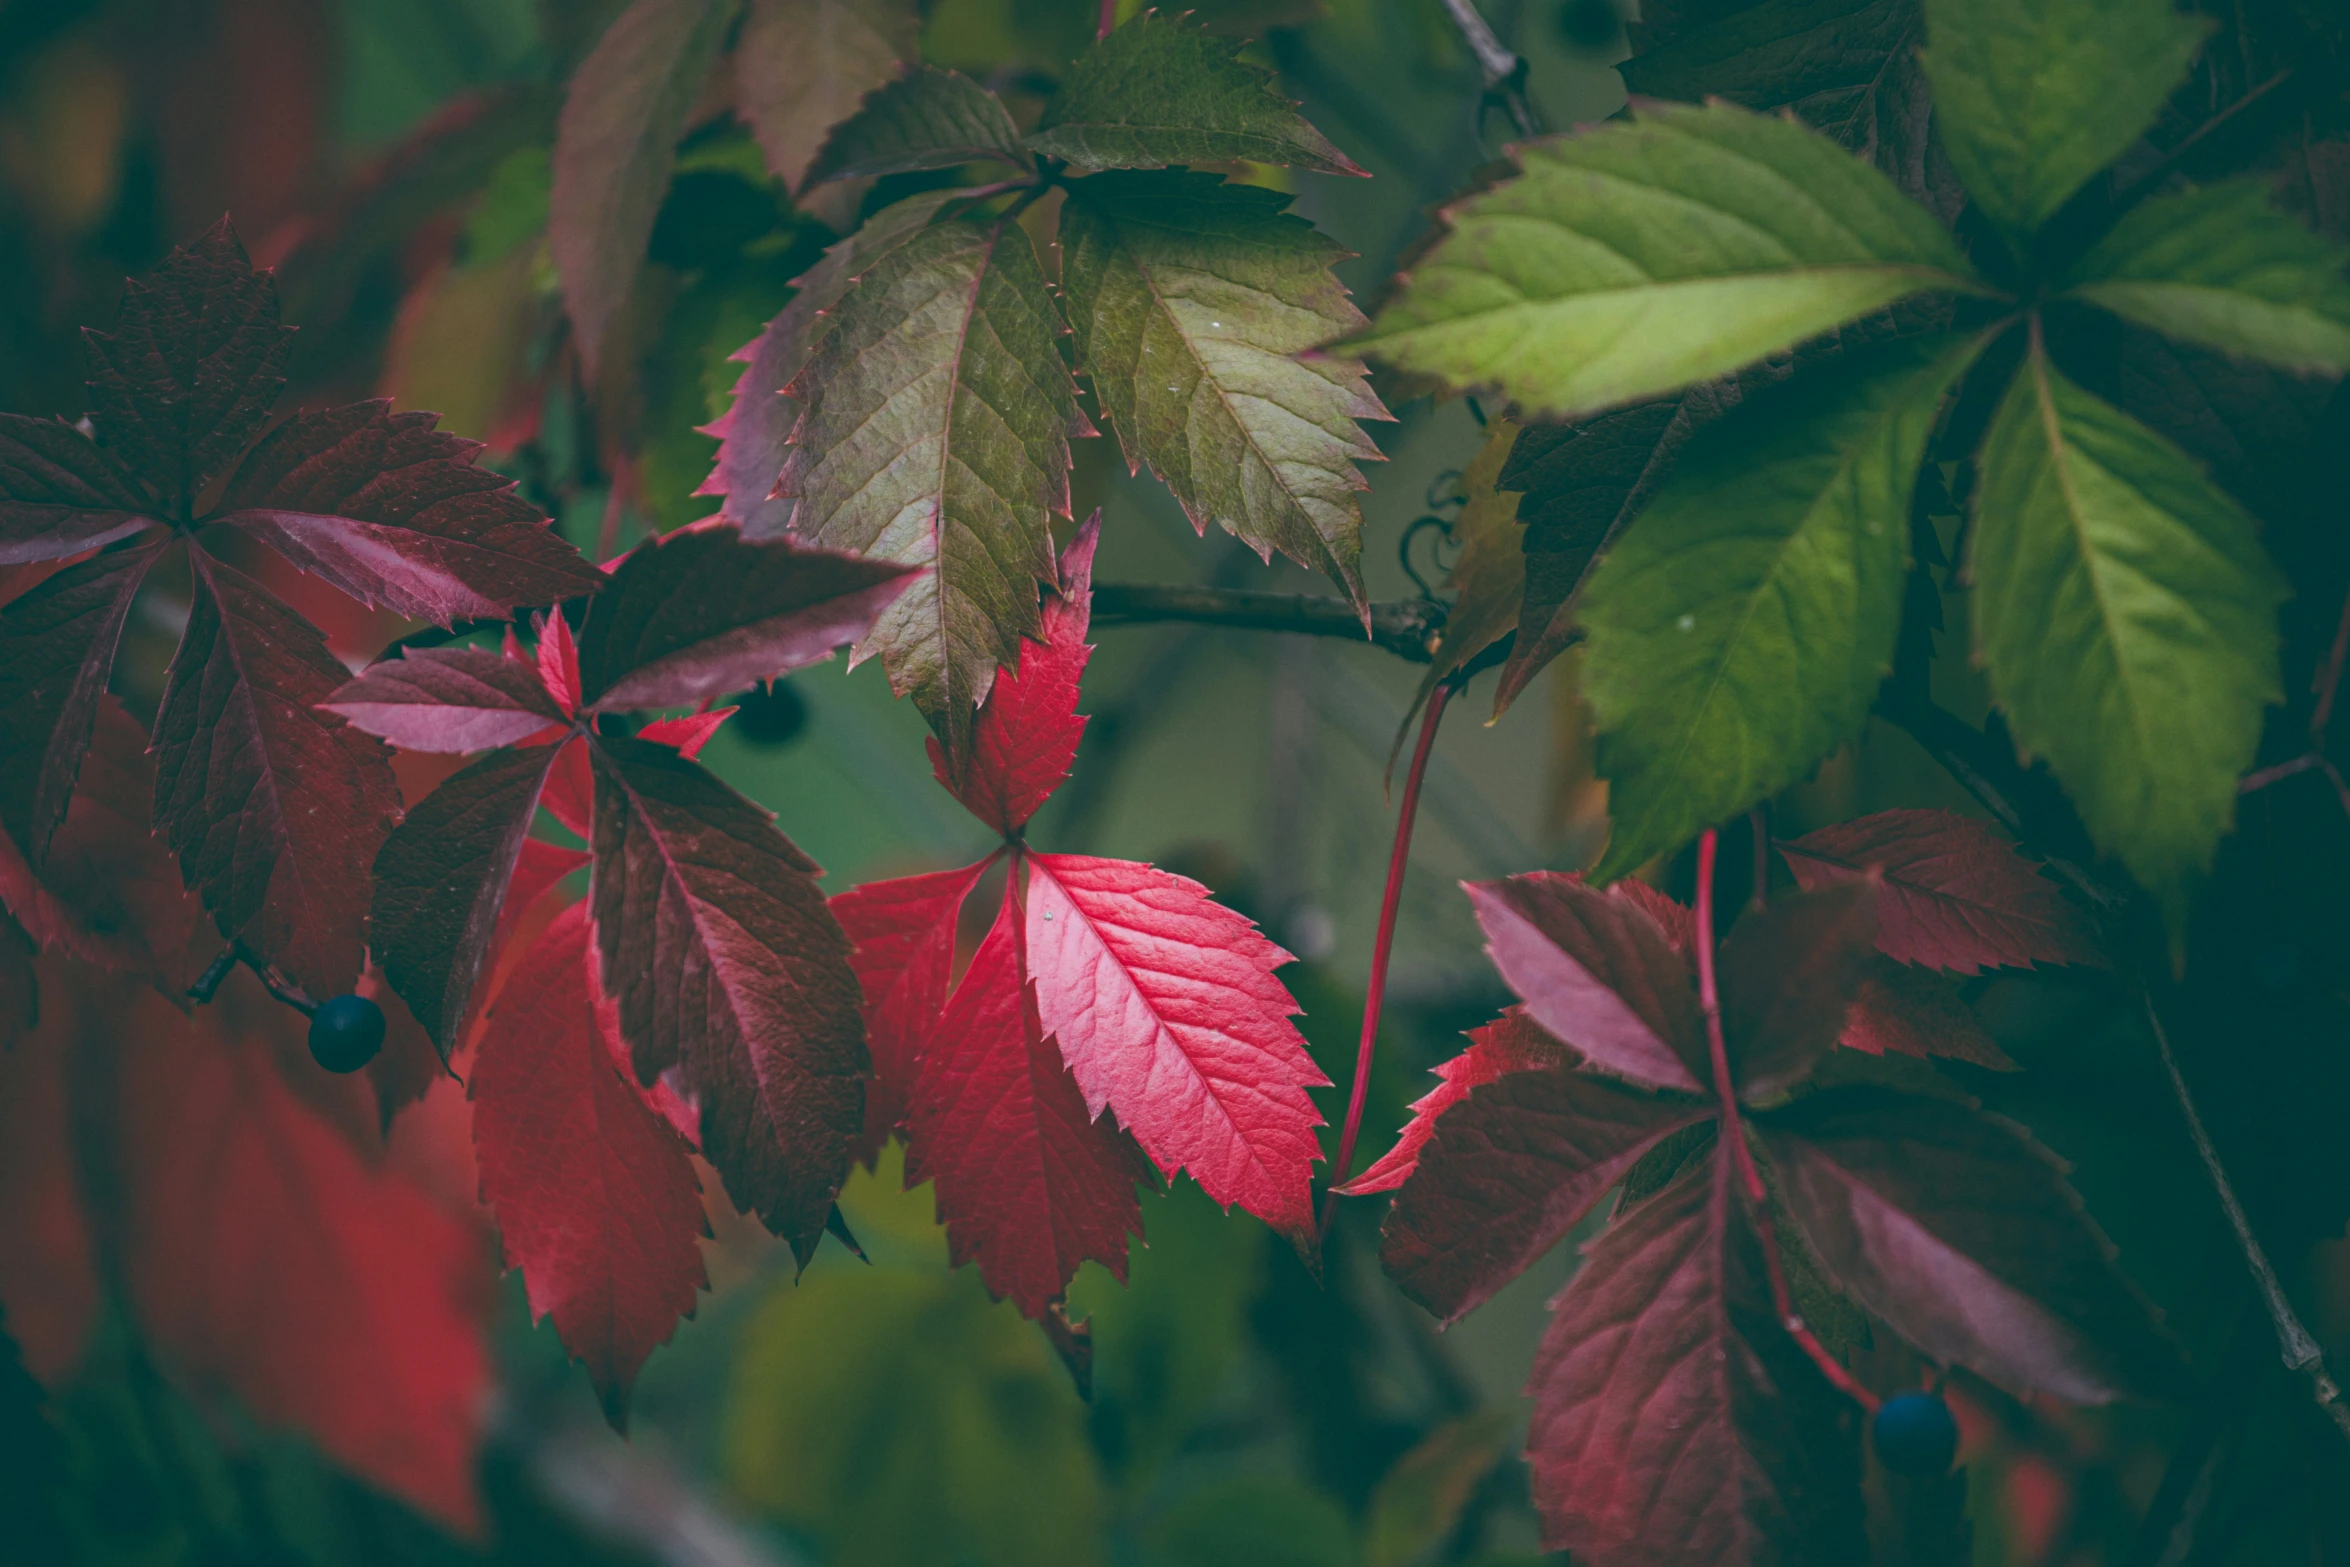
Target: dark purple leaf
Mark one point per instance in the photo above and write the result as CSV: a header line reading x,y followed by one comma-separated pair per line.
x,y
61,493
1787,974
1917,1012
450,700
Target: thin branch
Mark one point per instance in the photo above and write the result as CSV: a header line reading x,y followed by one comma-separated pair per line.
x,y
1504,71
1408,628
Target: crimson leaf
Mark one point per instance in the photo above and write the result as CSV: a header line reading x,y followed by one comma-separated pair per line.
x,y
1512,1042
904,931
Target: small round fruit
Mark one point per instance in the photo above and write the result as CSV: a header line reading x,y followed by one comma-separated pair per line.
x,y
345,1033
770,715
1915,1434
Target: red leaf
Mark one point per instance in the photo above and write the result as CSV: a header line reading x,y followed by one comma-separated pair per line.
x,y
558,661
267,1261
1512,1042
57,647
1598,972
61,493
441,883
1787,973
1026,735
686,735
1673,1421
1168,1013
1955,897
595,1194
904,932
541,866
451,701
396,514
194,364
275,808
1959,1232
725,963
1028,1183
1916,1012
1508,1172
571,789
703,611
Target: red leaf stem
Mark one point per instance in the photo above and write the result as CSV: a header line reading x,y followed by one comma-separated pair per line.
x,y
1109,21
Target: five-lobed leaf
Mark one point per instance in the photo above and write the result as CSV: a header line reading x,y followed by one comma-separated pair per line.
x,y
2127,618
1632,259
1788,974
929,118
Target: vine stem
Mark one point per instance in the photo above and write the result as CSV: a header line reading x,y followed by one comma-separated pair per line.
x,y
1343,1168
1733,1134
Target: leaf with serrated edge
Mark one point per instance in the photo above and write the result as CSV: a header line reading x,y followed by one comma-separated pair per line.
x,y
1168,1012
935,433
1159,91
1916,1012
61,493
904,931
2128,620
57,647
1512,1042
1194,302
1632,259
726,964
1955,895
1788,973
597,1202
1740,629
802,66
927,119
2223,267
450,700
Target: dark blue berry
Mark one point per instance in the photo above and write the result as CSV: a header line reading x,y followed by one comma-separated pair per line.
x,y
1915,1434
345,1033
769,715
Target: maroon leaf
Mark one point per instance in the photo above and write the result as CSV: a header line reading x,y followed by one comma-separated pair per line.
x,y
451,700
57,644
441,881
1029,1185
61,493
1956,896
1512,1042
704,611
725,963
275,808
1508,1172
904,932
1916,1012
1960,1233
1599,973
596,1197
194,364
1787,973
1674,1422
395,513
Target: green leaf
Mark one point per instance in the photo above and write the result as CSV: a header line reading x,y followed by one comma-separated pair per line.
x,y
926,119
1193,301
1159,91
935,432
2223,267
1420,1500
2128,620
1639,257
2035,96
802,66
1253,1522
1740,629
615,145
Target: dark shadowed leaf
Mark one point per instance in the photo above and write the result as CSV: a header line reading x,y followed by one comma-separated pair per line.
x,y
904,931
61,493
1916,1012
927,119
57,647
1788,973
451,701
802,66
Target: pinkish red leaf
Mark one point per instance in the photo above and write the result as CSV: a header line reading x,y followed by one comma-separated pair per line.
x,y
1169,1015
1674,1422
726,964
275,808
904,931
397,514
686,735
596,1197
1029,1184
571,789
1026,735
1956,895
1917,1012
536,872
704,611
1512,1042
1598,972
1787,974
558,661
61,493
450,700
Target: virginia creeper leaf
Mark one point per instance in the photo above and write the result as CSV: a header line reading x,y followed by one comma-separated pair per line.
x,y
2127,618
1740,629
718,948
1632,259
1788,973
1512,1042
935,433
1955,895
1673,1421
802,66
61,493
2223,267
2035,96
57,647
1029,1184
1160,91
904,932
688,734
1960,1233
1167,1011
1916,1012
451,700
703,611
1213,292
571,789
596,1197
274,807
928,118
615,146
